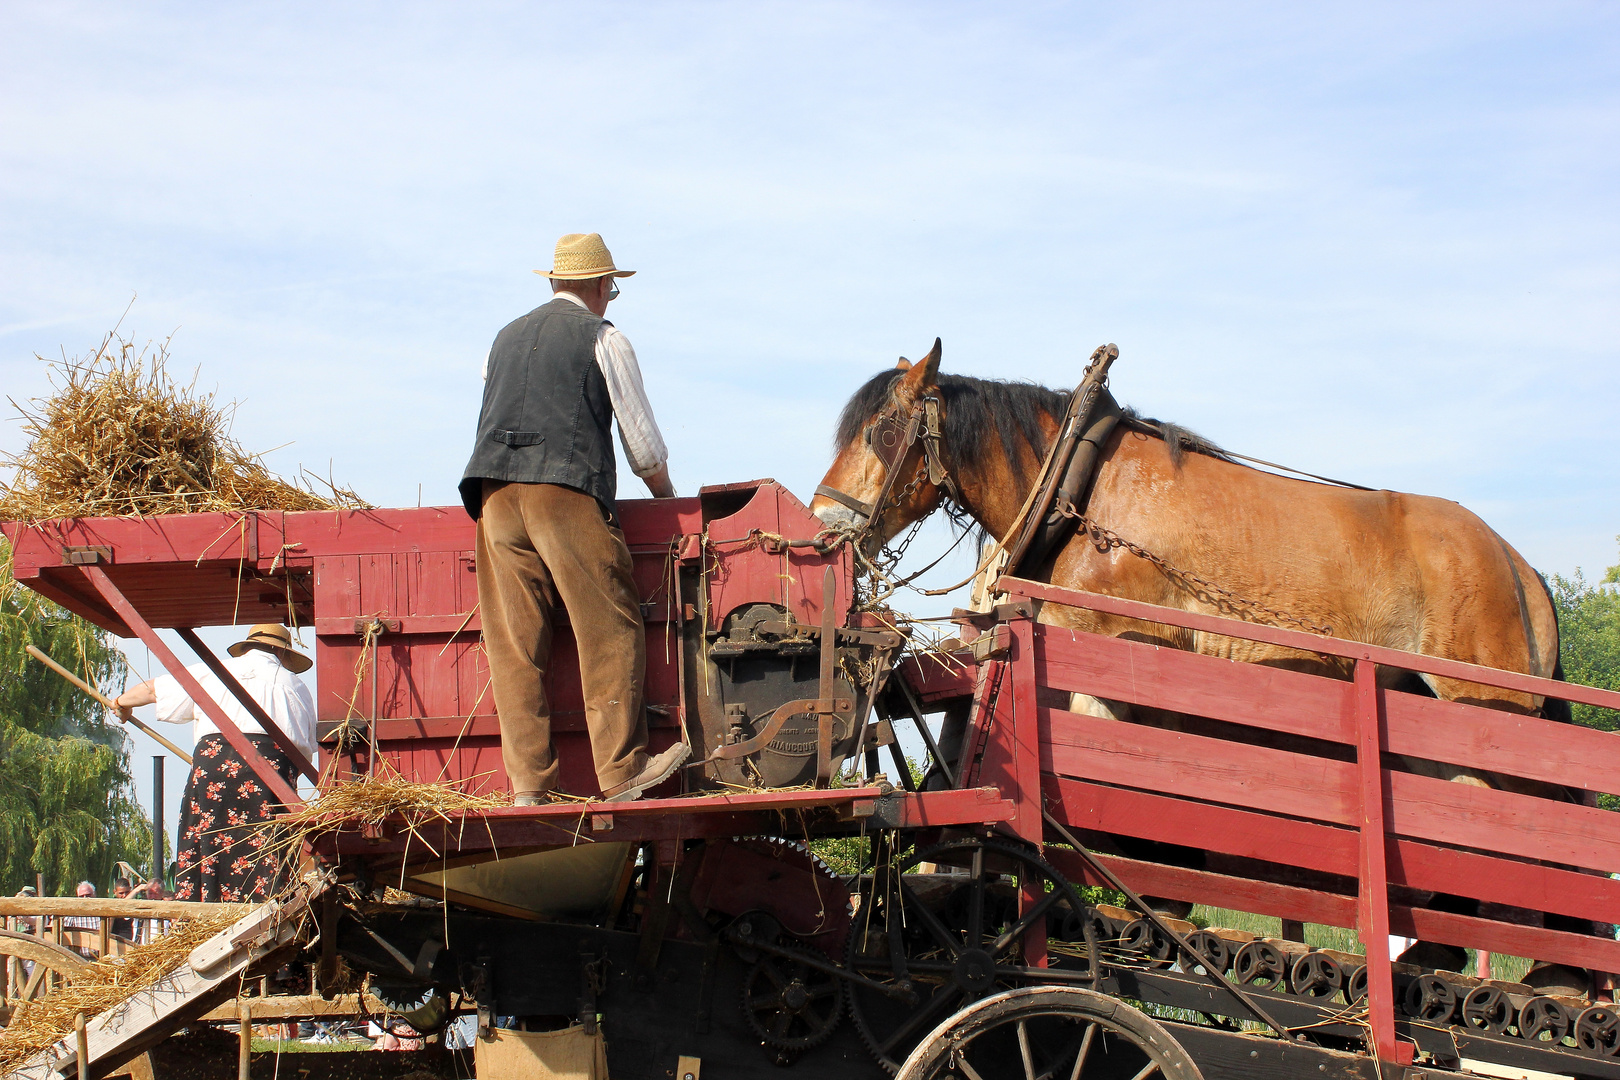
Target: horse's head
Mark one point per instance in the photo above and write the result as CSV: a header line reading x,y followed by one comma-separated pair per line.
x,y
889,471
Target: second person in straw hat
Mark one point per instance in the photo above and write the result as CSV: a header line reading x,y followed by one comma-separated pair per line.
x,y
219,855
542,485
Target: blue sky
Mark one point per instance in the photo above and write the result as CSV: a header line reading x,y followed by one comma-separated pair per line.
x,y
1376,241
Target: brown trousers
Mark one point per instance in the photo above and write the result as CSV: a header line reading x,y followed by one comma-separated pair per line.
x,y
541,545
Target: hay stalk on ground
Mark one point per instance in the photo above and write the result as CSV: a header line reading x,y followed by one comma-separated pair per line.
x,y
107,983
119,437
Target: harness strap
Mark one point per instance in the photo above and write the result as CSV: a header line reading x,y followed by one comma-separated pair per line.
x,y
1076,420
863,508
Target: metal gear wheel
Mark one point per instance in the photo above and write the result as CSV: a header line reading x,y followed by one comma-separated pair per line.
x,y
789,1003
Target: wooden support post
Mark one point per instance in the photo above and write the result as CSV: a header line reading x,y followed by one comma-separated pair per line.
x,y
1372,914
1293,930
81,1046
244,1052
106,935
268,776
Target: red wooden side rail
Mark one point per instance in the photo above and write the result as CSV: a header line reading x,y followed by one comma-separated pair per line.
x,y
1321,798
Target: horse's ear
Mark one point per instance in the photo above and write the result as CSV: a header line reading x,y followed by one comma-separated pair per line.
x,y
920,377
903,365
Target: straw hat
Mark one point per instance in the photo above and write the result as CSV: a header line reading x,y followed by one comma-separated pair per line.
x,y
277,637
582,255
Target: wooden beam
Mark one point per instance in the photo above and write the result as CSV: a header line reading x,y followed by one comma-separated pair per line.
x,y
284,793
1320,707
275,1008
1329,849
1299,639
1322,789
1372,900
111,907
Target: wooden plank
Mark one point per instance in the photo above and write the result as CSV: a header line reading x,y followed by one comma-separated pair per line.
x,y
1259,778
299,1007
1298,639
1224,1054
1254,777
1265,697
1329,849
261,768
933,679
1372,900
1451,813
110,907
1318,707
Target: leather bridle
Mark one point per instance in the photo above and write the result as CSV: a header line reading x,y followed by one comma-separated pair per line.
x,y
892,439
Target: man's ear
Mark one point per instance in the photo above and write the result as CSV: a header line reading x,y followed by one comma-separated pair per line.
x,y
920,377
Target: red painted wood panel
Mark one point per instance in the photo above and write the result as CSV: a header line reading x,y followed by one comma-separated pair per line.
x,y
1265,697
1328,849
1296,703
1090,748
1260,778
1296,639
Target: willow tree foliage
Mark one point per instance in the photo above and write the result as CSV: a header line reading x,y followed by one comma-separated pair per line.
x,y
67,807
1589,632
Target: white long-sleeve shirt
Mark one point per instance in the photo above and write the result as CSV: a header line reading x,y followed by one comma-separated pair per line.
x,y
638,432
278,691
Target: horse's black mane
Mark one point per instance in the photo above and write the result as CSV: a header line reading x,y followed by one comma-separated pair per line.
x,y
974,408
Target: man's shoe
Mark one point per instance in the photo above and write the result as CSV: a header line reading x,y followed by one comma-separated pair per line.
x,y
531,798
657,770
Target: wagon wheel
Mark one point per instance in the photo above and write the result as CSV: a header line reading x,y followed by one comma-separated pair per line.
x,y
938,958
1050,1033
47,957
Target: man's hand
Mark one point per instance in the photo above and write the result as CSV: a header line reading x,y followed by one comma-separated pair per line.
x,y
658,483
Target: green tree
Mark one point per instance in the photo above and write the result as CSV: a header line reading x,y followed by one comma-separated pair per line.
x,y
1589,633
67,807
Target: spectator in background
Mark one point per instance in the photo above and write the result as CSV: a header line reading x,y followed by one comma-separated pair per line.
x,y
122,927
149,930
89,923
26,926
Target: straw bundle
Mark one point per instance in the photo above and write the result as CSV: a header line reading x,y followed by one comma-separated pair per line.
x,y
120,437
353,804
107,983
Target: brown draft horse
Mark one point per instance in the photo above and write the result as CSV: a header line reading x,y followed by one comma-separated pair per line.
x,y
1404,571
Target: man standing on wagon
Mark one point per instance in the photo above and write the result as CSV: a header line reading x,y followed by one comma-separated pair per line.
x,y
542,485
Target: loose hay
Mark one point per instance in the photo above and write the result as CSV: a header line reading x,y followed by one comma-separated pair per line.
x,y
350,805
106,984
119,437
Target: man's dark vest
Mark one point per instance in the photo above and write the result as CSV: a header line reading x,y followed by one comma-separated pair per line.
x,y
547,417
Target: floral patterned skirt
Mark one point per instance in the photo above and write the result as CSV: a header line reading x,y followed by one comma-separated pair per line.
x,y
222,856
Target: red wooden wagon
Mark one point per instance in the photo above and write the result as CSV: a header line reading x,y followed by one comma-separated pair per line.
x,y
697,926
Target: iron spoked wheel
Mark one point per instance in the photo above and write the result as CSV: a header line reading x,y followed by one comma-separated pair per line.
x,y
1050,1033
791,1005
940,955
